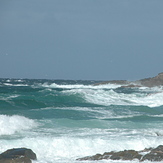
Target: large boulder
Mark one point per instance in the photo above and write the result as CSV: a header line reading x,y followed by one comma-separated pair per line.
x,y
17,155
150,154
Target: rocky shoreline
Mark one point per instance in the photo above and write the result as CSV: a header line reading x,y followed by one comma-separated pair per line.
x,y
147,82
25,155
150,154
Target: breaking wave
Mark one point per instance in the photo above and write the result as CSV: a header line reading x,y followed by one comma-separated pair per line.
x,y
14,124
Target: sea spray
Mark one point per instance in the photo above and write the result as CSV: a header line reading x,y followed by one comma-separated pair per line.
x,y
14,124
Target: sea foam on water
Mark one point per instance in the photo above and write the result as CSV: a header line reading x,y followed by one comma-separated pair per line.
x,y
62,121
15,123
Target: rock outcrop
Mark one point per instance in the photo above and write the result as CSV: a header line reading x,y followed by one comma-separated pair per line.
x,y
150,154
152,82
17,155
148,82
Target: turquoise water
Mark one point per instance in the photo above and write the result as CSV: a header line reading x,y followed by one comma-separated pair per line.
x,y
64,120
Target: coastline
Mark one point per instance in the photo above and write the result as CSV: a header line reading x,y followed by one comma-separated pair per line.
x,y
147,82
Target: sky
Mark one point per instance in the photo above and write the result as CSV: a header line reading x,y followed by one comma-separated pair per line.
x,y
81,39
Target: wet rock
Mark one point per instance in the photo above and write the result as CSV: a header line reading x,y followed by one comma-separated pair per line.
x,y
17,155
126,155
95,157
155,154
122,155
150,154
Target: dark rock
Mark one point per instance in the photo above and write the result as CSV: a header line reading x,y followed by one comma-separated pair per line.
x,y
150,154
146,150
156,154
16,160
125,155
122,155
17,155
95,157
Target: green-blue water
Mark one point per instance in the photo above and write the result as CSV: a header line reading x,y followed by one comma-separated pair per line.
x,y
63,120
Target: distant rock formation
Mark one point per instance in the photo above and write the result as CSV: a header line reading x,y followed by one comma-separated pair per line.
x,y
121,82
148,82
17,155
152,82
150,154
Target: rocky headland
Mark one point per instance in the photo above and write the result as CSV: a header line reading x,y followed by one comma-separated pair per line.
x,y
150,154
152,82
147,82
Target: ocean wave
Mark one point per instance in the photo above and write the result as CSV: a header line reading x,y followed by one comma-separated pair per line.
x,y
81,86
107,95
16,85
110,97
11,124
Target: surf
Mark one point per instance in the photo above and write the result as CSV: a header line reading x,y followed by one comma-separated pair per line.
x,y
65,120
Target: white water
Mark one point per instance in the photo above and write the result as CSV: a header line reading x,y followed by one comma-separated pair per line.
x,y
100,94
11,124
80,86
110,97
58,149
72,143
64,144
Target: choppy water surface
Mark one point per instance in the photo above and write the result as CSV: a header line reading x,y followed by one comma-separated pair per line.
x,y
63,120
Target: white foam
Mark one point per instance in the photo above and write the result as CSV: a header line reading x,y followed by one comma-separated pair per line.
x,y
16,85
12,124
81,86
9,97
105,94
52,149
110,97
8,84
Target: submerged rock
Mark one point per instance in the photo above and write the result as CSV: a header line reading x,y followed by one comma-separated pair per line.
x,y
150,154
17,155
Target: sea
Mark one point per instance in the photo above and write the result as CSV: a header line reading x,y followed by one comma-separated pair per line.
x,y
63,120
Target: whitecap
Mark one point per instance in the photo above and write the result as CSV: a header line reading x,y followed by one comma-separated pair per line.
x,y
110,97
11,124
81,86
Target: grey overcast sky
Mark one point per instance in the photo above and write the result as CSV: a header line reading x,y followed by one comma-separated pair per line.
x,y
81,39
